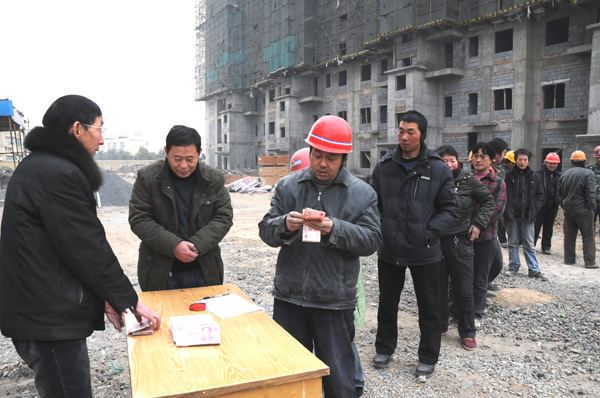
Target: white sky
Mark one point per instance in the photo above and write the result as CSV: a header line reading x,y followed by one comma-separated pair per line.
x,y
134,58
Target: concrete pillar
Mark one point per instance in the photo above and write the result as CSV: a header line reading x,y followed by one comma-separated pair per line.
x,y
527,61
593,126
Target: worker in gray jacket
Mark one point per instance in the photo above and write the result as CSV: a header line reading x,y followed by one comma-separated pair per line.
x,y
577,195
315,279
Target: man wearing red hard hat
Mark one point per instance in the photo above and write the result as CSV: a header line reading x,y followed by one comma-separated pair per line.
x,y
315,278
549,176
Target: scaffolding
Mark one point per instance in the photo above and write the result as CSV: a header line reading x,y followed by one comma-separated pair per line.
x,y
12,128
244,43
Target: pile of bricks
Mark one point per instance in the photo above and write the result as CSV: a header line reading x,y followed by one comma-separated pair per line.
x,y
272,168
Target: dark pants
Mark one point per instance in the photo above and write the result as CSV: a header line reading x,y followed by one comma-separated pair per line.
x,y
582,220
427,290
186,280
330,333
458,265
485,252
502,231
497,263
61,367
545,219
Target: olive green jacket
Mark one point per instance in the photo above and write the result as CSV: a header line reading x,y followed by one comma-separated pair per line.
x,y
153,218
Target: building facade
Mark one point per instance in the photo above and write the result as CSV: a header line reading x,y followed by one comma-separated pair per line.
x,y
524,71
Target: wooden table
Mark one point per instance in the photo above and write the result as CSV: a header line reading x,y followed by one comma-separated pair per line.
x,y
256,358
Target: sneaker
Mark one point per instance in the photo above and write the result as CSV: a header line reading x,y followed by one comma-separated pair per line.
x,y
424,370
511,272
493,286
592,266
477,323
546,251
538,275
490,293
469,343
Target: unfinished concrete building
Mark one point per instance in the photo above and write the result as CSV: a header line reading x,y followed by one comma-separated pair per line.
x,y
524,71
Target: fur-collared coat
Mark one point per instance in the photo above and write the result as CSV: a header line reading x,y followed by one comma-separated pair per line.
x,y
56,266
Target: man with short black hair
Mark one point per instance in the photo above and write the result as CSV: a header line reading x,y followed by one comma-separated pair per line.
x,y
488,255
181,211
417,206
58,274
525,196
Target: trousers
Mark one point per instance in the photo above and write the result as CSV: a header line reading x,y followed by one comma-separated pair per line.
x,y
330,333
458,265
61,367
427,290
580,220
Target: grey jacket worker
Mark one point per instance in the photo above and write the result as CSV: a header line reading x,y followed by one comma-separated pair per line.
x,y
322,275
577,195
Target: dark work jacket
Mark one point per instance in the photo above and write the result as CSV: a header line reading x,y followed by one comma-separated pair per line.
x,y
416,207
470,193
577,189
57,269
323,274
550,183
526,192
153,218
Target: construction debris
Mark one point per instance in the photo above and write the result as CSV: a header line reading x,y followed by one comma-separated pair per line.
x,y
249,185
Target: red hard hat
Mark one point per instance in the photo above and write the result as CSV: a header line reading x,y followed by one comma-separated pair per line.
x,y
552,157
300,160
330,134
597,152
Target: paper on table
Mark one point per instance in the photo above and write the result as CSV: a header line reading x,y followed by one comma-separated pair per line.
x,y
135,328
230,305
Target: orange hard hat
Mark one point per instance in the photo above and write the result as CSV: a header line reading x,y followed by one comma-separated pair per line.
x,y
300,160
331,134
578,156
552,157
597,152
510,155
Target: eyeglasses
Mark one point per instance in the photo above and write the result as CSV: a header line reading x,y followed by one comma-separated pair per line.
x,y
101,128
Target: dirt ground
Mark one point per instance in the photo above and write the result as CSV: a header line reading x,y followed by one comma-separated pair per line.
x,y
243,250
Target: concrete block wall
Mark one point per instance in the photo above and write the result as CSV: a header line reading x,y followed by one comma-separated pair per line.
x,y
483,73
575,76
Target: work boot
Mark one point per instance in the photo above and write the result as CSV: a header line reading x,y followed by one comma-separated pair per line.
x,y
381,361
424,369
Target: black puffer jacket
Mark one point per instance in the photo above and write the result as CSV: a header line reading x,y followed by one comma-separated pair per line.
x,y
416,207
57,269
549,181
524,191
470,192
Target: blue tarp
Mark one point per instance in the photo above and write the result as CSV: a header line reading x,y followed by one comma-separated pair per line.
x,y
6,108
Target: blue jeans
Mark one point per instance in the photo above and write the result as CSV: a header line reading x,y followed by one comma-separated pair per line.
x,y
520,231
61,367
186,280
